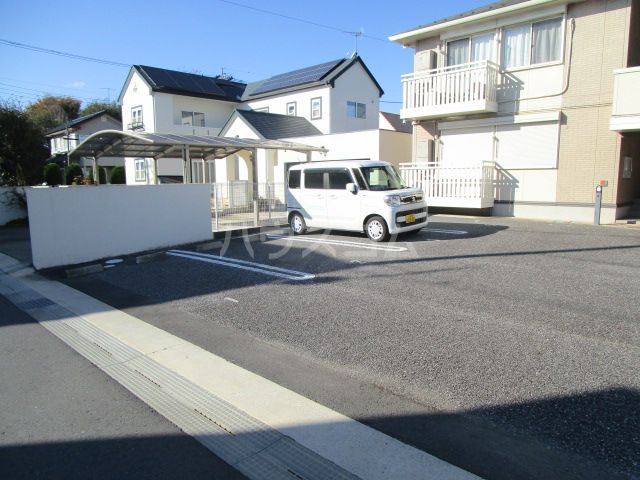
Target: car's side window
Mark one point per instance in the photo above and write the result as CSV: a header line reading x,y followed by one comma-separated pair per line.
x,y
359,179
294,179
338,178
314,178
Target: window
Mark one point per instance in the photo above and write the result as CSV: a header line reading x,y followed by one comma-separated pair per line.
x,y
356,110
294,179
533,43
470,49
136,118
383,178
338,178
195,119
314,178
197,171
141,170
316,108
263,109
291,108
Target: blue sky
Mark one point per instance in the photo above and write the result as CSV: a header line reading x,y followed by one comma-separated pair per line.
x,y
203,37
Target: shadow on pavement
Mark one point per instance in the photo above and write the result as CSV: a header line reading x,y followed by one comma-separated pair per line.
x,y
451,437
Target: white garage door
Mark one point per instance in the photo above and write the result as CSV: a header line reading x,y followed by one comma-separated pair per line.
x,y
466,146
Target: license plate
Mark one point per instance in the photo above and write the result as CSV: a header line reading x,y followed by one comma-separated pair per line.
x,y
410,218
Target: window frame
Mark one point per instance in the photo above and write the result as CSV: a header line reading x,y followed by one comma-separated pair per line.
x,y
140,174
192,116
261,109
319,109
295,109
468,38
355,106
530,24
137,122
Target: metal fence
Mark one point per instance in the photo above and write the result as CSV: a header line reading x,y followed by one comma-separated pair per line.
x,y
242,204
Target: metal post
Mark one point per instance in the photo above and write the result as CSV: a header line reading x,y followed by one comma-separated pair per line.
x,y
215,203
96,173
596,216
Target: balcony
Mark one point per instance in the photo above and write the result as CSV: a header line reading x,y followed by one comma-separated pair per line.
x,y
137,125
454,187
455,90
625,115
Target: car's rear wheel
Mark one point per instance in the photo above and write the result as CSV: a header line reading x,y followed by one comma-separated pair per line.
x,y
376,229
297,224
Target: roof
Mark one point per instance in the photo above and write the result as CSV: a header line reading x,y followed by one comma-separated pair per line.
x,y
274,126
316,75
191,84
340,164
491,9
78,121
117,143
397,123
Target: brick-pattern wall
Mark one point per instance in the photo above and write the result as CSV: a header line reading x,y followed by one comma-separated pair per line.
x,y
589,151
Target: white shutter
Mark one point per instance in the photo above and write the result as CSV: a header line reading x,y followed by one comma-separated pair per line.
x,y
466,146
527,145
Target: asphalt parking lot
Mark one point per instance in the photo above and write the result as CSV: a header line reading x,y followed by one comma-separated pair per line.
x,y
510,348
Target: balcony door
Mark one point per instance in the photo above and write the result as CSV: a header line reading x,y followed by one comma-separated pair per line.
x,y
471,49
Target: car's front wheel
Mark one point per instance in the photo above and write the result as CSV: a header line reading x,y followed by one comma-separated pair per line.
x,y
376,229
297,224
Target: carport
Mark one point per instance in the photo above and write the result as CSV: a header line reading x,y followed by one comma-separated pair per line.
x,y
116,143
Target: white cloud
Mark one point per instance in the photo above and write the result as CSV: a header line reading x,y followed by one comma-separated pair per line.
x,y
78,84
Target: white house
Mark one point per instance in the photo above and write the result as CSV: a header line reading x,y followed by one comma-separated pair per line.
x,y
526,106
334,105
64,138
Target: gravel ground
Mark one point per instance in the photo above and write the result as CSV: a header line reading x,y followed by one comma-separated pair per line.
x,y
531,325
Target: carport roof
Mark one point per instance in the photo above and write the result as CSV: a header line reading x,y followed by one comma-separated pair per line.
x,y
116,143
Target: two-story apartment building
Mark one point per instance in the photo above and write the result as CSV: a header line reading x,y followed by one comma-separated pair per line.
x,y
524,89
64,138
334,105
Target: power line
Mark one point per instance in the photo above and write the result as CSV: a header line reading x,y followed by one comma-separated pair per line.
x,y
303,20
61,54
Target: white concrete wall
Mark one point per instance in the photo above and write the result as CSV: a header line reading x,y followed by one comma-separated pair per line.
x,y
278,104
341,146
10,207
113,220
354,85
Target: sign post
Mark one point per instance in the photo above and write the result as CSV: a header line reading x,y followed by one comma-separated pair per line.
x,y
596,216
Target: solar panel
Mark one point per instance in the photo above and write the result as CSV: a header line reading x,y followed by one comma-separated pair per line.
x,y
296,77
187,82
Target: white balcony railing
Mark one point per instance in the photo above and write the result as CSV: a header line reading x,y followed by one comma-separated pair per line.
x,y
458,89
444,186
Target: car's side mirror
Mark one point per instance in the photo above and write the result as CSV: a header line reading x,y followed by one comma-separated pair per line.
x,y
352,188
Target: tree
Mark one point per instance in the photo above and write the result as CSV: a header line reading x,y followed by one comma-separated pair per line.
x,y
50,111
22,148
52,174
112,109
118,176
72,171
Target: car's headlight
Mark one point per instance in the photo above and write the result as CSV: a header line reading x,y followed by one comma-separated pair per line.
x,y
392,200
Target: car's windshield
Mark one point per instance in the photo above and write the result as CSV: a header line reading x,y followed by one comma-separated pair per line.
x,y
382,178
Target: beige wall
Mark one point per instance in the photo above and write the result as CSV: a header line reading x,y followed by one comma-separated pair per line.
x,y
589,151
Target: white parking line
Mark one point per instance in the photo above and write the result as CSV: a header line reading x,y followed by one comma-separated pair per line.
x,y
243,264
452,232
345,243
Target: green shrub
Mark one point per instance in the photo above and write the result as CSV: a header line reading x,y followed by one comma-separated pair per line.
x,y
71,172
118,176
52,174
102,173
